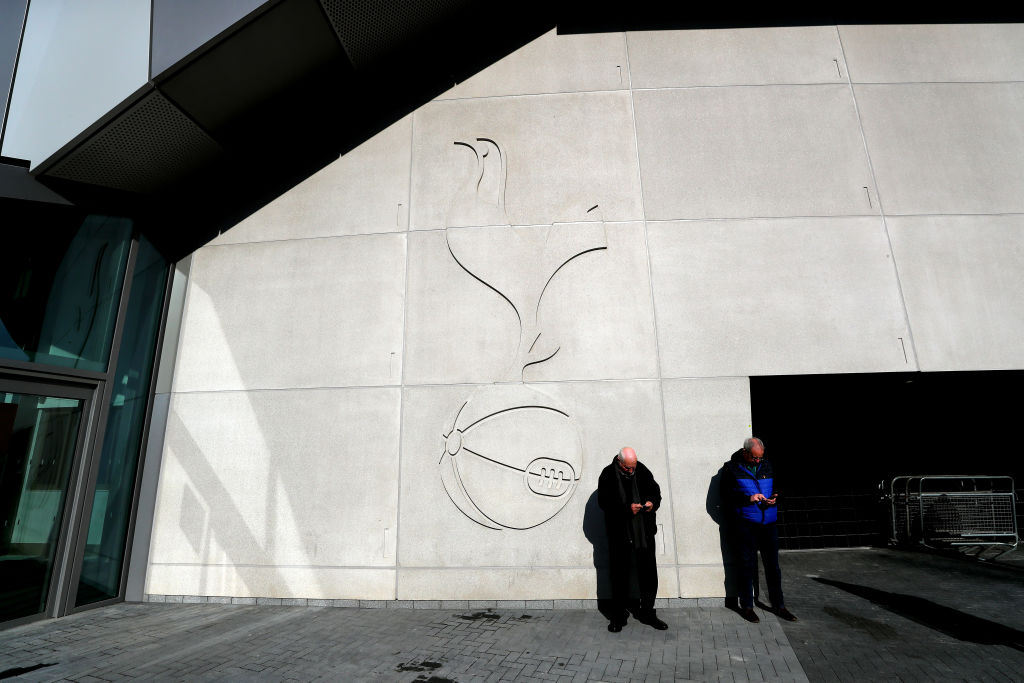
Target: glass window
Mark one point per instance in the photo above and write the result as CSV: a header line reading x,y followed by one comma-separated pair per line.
x,y
60,284
115,484
37,445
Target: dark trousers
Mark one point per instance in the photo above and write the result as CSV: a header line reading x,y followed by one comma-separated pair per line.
x,y
621,557
752,538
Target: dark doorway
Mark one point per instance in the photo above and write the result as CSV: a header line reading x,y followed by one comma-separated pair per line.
x,y
40,433
833,438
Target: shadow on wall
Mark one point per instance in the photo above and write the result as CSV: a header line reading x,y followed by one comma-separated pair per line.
x,y
730,554
207,487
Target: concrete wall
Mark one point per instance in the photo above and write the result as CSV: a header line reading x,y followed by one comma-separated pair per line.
x,y
401,379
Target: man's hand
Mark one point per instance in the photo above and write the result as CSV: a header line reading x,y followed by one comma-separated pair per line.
x,y
648,506
757,498
636,507
772,500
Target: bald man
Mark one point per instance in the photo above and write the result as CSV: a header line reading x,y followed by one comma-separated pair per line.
x,y
630,498
749,483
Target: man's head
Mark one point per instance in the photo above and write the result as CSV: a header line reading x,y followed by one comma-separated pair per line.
x,y
627,460
753,450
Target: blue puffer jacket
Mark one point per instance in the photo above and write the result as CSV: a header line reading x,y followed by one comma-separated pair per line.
x,y
742,484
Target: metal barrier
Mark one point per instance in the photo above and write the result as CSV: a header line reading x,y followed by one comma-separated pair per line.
x,y
953,511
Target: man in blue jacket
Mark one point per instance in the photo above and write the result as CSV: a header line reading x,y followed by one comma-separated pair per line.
x,y
750,487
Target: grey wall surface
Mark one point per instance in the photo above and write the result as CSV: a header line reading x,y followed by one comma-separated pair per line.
x,y
138,566
78,60
401,379
12,20
180,26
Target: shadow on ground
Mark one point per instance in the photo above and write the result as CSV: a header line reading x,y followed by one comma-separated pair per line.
x,y
952,622
880,614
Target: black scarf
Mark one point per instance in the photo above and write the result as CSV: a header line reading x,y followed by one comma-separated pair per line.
x,y
636,531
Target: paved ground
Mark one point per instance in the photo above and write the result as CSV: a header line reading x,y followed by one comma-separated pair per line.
x,y
238,643
884,615
872,615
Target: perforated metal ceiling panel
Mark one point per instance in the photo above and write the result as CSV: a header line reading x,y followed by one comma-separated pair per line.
x,y
373,29
146,148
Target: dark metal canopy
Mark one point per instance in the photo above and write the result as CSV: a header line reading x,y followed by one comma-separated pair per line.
x,y
265,103
290,85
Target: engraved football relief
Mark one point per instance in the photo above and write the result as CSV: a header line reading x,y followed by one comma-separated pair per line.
x,y
512,457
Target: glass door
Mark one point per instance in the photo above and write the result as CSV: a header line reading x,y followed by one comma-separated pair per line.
x,y
41,427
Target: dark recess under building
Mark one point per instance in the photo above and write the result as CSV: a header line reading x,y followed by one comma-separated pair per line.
x,y
833,438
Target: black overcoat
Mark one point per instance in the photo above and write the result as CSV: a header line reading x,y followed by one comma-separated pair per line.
x,y
618,514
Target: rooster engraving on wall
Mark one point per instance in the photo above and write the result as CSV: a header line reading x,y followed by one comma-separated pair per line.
x,y
512,457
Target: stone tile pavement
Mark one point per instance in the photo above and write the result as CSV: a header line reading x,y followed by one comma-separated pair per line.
x,y
887,615
237,642
866,615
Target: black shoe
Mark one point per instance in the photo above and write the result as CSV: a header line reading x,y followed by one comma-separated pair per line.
x,y
615,626
783,613
750,615
656,623
652,620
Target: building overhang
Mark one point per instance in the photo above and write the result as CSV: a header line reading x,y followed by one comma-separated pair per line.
x,y
294,84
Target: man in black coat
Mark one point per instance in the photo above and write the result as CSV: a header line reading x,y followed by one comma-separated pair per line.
x,y
630,498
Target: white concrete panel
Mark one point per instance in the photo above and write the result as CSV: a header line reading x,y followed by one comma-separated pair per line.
x,y
466,510
302,478
553,63
706,420
780,296
701,582
752,152
961,281
934,52
580,291
458,330
303,313
324,583
946,147
554,157
742,56
539,583
365,191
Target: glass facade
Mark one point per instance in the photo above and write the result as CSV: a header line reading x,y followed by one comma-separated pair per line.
x,y
81,299
115,484
77,61
60,285
37,445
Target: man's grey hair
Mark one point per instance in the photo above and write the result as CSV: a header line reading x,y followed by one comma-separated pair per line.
x,y
751,442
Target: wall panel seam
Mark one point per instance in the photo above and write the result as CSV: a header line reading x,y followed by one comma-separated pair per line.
x,y
654,310
405,336
881,208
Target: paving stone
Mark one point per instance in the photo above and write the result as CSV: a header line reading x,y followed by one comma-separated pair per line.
x,y
841,635
893,615
345,603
